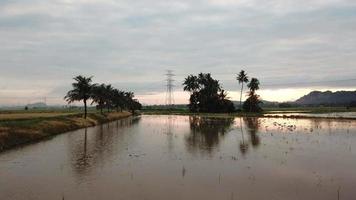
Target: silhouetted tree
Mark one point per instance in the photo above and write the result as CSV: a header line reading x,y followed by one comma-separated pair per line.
x,y
206,94
131,103
191,85
118,99
81,91
101,94
252,102
108,93
254,85
98,96
242,78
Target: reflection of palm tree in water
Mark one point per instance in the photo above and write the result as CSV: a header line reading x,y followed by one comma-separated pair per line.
x,y
243,145
252,126
90,152
206,132
84,160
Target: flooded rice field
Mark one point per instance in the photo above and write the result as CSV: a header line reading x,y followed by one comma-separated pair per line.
x,y
351,115
186,157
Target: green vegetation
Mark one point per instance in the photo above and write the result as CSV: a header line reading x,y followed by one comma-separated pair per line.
x,y
20,127
206,94
81,91
252,103
105,96
19,130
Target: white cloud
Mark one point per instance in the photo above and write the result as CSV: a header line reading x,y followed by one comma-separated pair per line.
x,y
49,42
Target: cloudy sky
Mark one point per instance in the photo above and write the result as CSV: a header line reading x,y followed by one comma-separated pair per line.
x,y
292,46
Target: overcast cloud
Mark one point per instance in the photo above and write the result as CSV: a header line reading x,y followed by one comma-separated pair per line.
x,y
285,43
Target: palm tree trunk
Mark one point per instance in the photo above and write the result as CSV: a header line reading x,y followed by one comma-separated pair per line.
x,y
242,87
85,108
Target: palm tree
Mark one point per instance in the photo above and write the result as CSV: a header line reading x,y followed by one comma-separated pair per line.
x,y
108,93
254,85
81,91
98,96
131,103
191,84
253,99
242,78
118,99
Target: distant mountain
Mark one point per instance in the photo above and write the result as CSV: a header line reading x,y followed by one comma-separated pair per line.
x,y
327,98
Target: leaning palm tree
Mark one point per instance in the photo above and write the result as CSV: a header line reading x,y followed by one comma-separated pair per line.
x,y
81,91
242,78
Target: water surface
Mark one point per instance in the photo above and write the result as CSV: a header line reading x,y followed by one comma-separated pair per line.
x,y
322,115
185,157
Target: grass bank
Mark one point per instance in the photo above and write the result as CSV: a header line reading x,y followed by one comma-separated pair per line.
x,y
27,128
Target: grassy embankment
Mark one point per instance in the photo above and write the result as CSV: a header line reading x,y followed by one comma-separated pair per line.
x,y
18,128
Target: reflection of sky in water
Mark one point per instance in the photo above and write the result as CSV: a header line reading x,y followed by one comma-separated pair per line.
x,y
186,157
331,115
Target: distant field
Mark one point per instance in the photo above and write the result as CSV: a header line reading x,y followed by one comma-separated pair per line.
x,y
41,113
29,115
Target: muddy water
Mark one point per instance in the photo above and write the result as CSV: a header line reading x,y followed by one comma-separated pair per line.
x,y
181,157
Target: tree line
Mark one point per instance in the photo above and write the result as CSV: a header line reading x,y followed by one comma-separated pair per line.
x,y
103,95
207,95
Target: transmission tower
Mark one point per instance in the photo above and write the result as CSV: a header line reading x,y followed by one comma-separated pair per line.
x,y
169,92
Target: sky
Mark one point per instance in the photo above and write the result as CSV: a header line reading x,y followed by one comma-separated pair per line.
x,y
291,46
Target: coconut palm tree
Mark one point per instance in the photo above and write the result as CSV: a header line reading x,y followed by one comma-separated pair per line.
x,y
254,85
242,78
252,102
81,91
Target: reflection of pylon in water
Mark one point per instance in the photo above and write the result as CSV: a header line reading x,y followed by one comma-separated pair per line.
x,y
169,93
170,135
